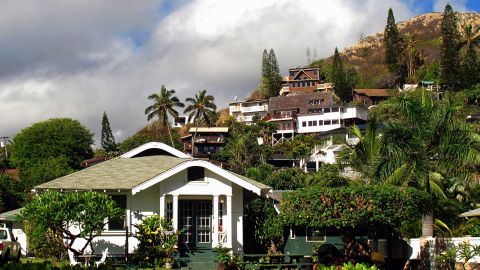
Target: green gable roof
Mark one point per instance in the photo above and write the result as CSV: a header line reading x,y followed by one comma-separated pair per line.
x,y
115,174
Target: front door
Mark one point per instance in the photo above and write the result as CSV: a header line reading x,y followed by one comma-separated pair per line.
x,y
195,223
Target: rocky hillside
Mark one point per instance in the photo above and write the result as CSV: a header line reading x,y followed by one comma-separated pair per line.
x,y
367,55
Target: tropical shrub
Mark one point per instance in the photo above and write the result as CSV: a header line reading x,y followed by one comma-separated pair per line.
x,y
157,241
354,207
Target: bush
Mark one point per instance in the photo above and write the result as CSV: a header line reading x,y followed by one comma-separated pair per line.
x,y
157,241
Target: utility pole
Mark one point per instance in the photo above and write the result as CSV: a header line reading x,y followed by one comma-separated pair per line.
x,y
4,145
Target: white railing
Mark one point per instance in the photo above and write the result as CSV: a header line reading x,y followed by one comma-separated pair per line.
x,y
234,108
255,108
325,86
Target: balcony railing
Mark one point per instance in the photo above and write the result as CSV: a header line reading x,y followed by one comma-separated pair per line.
x,y
262,108
325,86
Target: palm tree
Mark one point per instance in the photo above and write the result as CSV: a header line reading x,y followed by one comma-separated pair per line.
x,y
411,54
365,152
163,106
470,36
202,110
426,142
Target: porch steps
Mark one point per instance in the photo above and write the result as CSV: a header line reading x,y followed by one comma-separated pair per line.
x,y
200,258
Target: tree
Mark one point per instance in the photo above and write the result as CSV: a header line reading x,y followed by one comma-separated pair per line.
x,y
11,193
392,42
55,212
108,141
354,209
342,89
163,107
271,80
449,53
426,141
362,155
51,139
470,66
412,57
203,110
43,171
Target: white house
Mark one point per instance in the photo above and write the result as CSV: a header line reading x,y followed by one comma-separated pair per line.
x,y
330,118
245,111
203,200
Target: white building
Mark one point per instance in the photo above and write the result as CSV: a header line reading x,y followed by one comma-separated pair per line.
x,y
330,118
203,200
245,111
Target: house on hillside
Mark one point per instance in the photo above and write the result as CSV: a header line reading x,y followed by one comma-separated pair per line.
x,y
208,141
245,111
303,80
204,201
314,113
371,97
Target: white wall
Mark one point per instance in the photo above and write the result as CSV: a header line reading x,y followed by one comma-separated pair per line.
x,y
237,219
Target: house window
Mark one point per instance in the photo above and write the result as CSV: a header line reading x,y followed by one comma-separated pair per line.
x,y
334,122
342,109
288,126
304,123
292,232
118,224
314,123
195,174
327,122
310,123
314,235
326,110
169,211
335,109
320,122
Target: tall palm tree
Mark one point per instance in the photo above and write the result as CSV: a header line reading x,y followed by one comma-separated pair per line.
x,y
426,142
470,36
202,109
163,107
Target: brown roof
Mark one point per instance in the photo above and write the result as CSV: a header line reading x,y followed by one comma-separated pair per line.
x,y
374,92
302,102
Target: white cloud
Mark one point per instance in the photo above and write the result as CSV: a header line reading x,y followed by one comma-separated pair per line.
x,y
78,60
457,5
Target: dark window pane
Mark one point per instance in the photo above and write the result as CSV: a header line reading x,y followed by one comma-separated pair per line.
x,y
195,174
118,223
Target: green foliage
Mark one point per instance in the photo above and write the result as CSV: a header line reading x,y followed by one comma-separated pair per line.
x,y
470,65
202,109
223,254
150,133
51,139
44,170
349,266
430,73
449,54
392,43
259,173
157,241
449,147
46,245
11,193
271,80
286,179
354,207
54,212
242,148
342,89
108,140
463,251
262,227
327,176
163,106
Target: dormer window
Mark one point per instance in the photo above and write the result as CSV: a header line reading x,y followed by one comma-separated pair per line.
x,y
195,174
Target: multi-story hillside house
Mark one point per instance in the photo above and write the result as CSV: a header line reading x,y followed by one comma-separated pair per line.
x,y
311,113
302,80
208,141
245,111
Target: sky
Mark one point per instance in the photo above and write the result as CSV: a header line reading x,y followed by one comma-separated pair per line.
x,y
78,59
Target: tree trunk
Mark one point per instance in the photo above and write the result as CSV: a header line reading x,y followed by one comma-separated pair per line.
x,y
170,134
427,225
193,140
